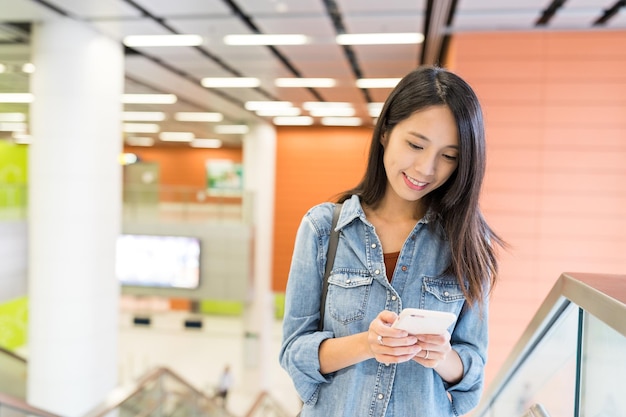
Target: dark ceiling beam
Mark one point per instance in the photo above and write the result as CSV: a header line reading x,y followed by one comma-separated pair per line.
x,y
335,16
445,44
438,14
548,13
610,13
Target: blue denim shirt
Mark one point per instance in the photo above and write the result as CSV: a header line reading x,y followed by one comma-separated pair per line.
x,y
358,290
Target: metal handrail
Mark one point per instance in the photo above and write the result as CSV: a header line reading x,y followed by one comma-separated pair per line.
x,y
13,355
258,403
601,295
22,406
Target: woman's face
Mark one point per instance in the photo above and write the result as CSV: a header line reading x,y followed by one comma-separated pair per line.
x,y
421,152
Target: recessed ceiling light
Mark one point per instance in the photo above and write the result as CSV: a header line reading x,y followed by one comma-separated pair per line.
x,y
379,38
140,128
305,82
230,82
143,116
198,116
293,121
149,98
285,111
332,111
377,82
206,143
28,68
375,108
267,104
162,40
176,136
341,121
231,129
260,39
313,105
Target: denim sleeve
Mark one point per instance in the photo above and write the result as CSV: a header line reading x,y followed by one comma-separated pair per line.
x,y
469,339
301,339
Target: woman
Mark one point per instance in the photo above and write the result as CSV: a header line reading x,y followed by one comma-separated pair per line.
x,y
411,235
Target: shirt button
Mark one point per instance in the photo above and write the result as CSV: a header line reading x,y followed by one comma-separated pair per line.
x,y
404,268
446,293
373,245
393,298
347,281
381,396
377,272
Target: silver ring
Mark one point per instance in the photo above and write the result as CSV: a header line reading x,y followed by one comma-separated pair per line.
x,y
380,340
427,353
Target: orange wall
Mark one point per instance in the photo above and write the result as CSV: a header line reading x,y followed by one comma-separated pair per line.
x,y
312,165
555,189
555,106
183,166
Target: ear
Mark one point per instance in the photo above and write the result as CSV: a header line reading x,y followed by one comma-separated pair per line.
x,y
384,139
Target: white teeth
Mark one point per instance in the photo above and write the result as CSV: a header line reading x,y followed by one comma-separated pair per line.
x,y
415,182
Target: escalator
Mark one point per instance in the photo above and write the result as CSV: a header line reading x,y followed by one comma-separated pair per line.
x,y
568,362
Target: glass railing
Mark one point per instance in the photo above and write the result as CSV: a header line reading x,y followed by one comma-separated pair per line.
x,y
155,203
570,360
161,393
181,204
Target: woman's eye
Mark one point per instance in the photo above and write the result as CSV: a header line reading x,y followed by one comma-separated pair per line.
x,y
450,157
414,146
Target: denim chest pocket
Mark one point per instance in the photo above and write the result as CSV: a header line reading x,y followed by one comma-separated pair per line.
x,y
442,293
348,292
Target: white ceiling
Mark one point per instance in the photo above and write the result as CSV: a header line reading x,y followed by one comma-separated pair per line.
x,y
179,70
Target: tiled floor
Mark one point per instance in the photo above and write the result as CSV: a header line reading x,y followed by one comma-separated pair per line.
x,y
199,355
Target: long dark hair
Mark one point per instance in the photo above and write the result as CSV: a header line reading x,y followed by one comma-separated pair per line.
x,y
455,203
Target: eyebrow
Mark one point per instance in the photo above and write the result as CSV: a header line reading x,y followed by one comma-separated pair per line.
x,y
420,136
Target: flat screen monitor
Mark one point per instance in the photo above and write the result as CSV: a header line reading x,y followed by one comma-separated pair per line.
x,y
158,261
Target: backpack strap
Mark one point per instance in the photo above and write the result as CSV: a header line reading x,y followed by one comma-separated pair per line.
x,y
330,260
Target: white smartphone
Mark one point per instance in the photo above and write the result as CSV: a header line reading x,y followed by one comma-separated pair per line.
x,y
418,321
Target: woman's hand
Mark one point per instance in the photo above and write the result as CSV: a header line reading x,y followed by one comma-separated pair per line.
x,y
389,345
434,349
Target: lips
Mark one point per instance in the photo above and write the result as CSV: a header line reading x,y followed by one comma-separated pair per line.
x,y
415,182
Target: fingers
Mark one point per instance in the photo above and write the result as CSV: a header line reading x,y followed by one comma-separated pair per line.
x,y
434,349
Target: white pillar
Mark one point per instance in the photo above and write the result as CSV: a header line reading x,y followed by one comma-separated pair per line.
x,y
74,216
259,156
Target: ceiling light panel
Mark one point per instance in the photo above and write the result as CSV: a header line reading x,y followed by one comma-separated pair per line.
x,y
305,82
230,82
176,136
198,117
162,40
231,129
143,116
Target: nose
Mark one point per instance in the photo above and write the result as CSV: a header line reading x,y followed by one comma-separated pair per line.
x,y
426,164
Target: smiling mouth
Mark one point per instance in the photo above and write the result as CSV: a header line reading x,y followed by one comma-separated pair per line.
x,y
415,182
